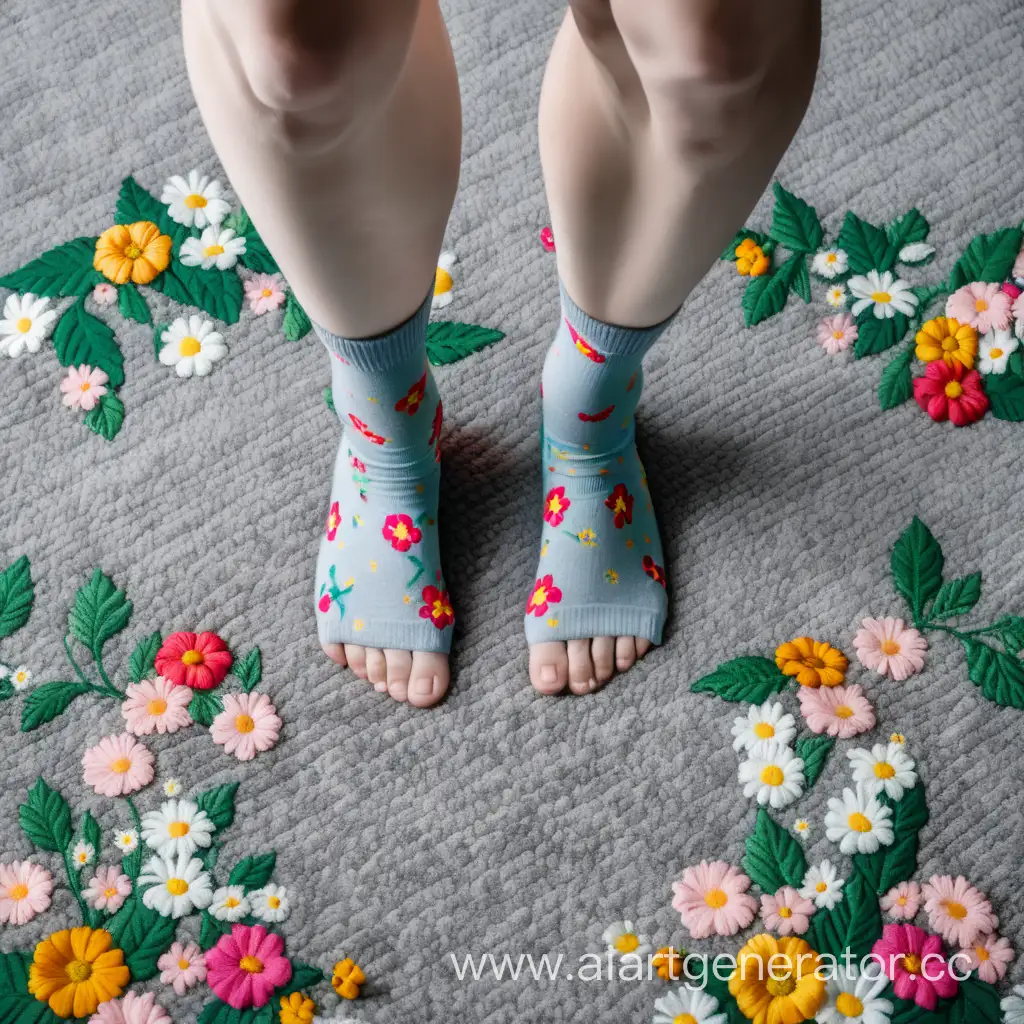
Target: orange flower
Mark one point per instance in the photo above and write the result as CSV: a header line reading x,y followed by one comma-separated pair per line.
x,y
132,252
347,978
75,970
947,339
668,962
813,662
751,259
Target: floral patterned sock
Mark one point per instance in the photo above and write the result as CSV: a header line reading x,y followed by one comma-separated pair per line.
x,y
378,577
601,567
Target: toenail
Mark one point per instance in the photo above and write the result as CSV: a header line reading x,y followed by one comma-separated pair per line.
x,y
592,684
380,687
548,674
422,687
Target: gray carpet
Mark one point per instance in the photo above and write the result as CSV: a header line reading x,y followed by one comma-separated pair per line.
x,y
504,822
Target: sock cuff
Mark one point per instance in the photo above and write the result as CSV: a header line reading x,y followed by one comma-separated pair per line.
x,y
384,352
610,338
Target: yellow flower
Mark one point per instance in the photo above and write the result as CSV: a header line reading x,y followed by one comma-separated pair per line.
x,y
347,978
774,980
948,340
587,538
132,252
813,662
76,969
898,738
750,259
611,576
297,1009
668,962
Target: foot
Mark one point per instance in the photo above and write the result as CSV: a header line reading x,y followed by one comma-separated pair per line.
x,y
583,665
419,677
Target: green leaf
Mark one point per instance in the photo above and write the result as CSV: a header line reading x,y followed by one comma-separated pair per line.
x,y
249,670
801,284
774,858
217,292
1011,632
751,679
897,383
853,924
329,399
296,323
17,1005
143,934
874,335
134,203
105,418
253,872
100,612
726,1000
916,566
63,271
14,972
46,818
44,703
91,831
7,691
814,750
132,305
257,256
890,865
140,664
1000,675
906,1012
795,223
158,339
204,707
216,1012
17,592
1006,396
448,342
80,338
211,930
304,976
911,227
957,597
766,296
867,246
976,1002
219,804
988,258
729,252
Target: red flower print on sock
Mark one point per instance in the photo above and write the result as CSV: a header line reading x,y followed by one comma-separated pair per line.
x,y
401,532
620,501
365,430
324,604
655,571
632,383
583,345
544,593
333,521
197,660
411,402
435,430
596,417
555,505
951,392
357,464
437,606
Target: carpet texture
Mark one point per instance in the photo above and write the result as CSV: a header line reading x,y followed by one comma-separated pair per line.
x,y
502,821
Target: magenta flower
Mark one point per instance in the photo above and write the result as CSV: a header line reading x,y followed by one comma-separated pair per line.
x,y
264,292
912,959
117,766
990,956
245,966
248,724
107,889
132,1008
787,912
902,902
983,305
181,967
25,890
956,910
156,705
841,711
890,648
837,333
712,899
83,387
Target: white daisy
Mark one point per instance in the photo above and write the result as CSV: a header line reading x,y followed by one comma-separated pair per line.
x,y
858,822
689,1005
853,998
192,346
774,775
622,939
802,829
888,295
179,828
836,296
270,903
823,885
1013,1007
126,840
884,768
830,263
994,351
443,283
916,253
83,854
21,677
230,903
196,200
215,247
172,787
26,322
177,886
763,725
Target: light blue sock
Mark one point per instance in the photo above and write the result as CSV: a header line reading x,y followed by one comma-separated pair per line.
x,y
601,570
378,577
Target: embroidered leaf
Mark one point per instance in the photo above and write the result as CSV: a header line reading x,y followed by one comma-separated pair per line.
x,y
143,935
916,565
867,247
296,323
253,872
874,335
1006,396
217,292
751,678
17,1004
100,611
17,592
726,1001
897,383
249,670
46,702
158,339
766,295
140,664
132,305
216,1012
219,804
801,284
906,1012
854,924
91,831
46,818
729,252
773,858
210,930
957,597
80,338
303,976
447,341
1000,675
976,1002
62,271
136,203
329,399
204,707
257,256
1011,632
908,229
890,865
7,691
105,418
814,750
795,223
988,258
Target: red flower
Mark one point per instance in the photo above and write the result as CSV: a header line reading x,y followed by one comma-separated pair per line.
x,y
324,604
596,417
555,505
583,345
435,430
951,392
197,661
544,593
437,606
411,402
358,465
365,430
401,532
655,571
547,239
620,501
333,521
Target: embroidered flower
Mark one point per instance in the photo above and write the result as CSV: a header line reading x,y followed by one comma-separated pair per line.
x,y
786,912
890,648
443,283
107,889
762,725
885,294
802,829
177,885
195,200
912,959
555,506
297,1009
902,901
858,822
333,521
246,965
248,725
990,956
622,939
25,890
182,966
545,593
134,1008
401,532
437,607
668,963
837,333
886,768
830,263
547,239
270,903
25,324
172,787
83,853
689,1006
83,386
981,304
126,840
366,431
776,980
104,294
951,393
712,899
264,292
813,662
215,247
20,677
410,402
132,252
156,705
823,885
655,571
948,340
751,259
840,711
179,827
620,501
855,998
774,775
956,910
1013,1005
199,661
995,351
346,978
117,766
73,970
230,903
192,346
836,296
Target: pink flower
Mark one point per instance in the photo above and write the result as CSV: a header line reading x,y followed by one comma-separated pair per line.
x,y
547,239
890,648
712,899
841,711
1018,265
132,1008
264,292
903,901
837,333
248,724
117,766
1018,306
956,910
981,304
913,960
181,967
107,889
787,912
245,966
156,705
990,956
104,294
25,890
83,387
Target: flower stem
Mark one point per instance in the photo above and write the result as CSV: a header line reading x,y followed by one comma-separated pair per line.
x,y
132,863
76,888
113,690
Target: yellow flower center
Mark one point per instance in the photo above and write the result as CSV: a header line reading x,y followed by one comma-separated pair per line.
x,y
684,1018
911,963
881,297
23,325
764,730
442,281
440,609
251,965
213,250
540,595
954,389
995,353
981,953
859,822
274,902
244,723
17,891
183,965
838,335
267,293
772,775
902,900
177,829
785,913
830,258
889,647
132,252
191,657
779,987
401,531
813,661
109,893
627,943
195,201
716,899
620,505
955,910
121,765
83,857
884,770
844,711
231,902
78,971
950,344
849,1005
177,886
84,386
157,706
821,887
980,305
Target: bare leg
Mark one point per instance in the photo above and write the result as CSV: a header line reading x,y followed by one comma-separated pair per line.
x,y
661,122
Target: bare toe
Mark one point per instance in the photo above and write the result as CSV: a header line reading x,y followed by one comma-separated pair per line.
x,y
399,664
336,652
428,678
356,657
581,668
642,646
602,651
377,669
625,653
549,667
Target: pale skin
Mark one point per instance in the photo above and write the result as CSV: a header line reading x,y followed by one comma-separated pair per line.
x,y
339,125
